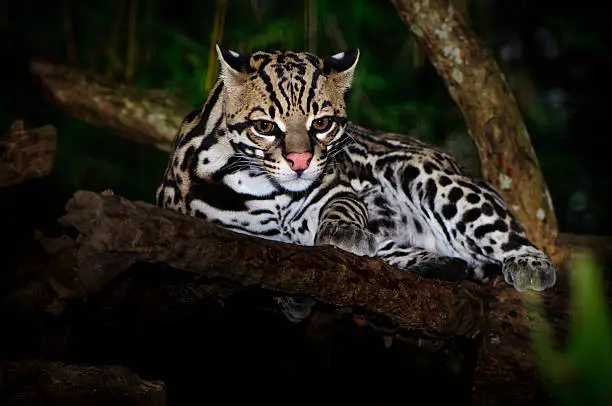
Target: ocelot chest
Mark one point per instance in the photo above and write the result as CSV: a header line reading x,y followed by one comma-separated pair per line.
x,y
259,209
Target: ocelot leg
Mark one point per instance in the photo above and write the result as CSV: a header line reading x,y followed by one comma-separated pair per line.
x,y
470,220
343,223
422,262
401,234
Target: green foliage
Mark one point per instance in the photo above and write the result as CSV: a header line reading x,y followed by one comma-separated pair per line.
x,y
580,374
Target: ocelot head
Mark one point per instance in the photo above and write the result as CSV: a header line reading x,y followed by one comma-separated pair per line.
x,y
285,111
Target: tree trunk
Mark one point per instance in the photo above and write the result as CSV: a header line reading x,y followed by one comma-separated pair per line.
x,y
490,111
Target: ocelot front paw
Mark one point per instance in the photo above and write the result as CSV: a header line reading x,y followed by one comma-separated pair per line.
x,y
348,237
529,272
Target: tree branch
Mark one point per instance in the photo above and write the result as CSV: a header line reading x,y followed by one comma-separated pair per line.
x,y
148,117
116,233
493,118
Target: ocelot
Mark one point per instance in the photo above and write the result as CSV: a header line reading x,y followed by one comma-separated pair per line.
x,y
271,153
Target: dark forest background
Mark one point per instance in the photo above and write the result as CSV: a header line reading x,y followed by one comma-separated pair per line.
x,y
555,54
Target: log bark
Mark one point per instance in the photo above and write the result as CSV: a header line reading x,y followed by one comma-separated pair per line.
x,y
491,113
26,153
114,233
53,383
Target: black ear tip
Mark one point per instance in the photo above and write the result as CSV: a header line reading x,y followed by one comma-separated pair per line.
x,y
235,60
341,61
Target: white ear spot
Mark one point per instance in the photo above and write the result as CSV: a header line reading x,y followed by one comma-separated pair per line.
x,y
234,53
338,56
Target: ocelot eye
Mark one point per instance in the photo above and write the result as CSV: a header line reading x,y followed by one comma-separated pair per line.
x,y
265,127
321,124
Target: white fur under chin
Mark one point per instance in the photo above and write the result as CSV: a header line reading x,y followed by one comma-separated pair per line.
x,y
292,182
297,184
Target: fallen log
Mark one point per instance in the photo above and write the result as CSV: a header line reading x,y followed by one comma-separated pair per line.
x,y
115,233
43,382
26,153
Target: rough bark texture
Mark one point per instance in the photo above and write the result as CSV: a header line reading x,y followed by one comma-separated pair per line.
x,y
115,233
26,154
36,382
491,113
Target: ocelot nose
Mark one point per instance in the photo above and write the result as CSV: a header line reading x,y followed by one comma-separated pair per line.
x,y
299,161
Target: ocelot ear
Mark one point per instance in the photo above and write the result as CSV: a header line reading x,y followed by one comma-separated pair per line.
x,y
341,67
233,66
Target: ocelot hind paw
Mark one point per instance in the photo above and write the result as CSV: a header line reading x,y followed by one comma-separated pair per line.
x,y
529,272
295,308
444,268
348,237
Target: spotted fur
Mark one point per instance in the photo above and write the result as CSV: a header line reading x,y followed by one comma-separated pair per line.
x,y
270,153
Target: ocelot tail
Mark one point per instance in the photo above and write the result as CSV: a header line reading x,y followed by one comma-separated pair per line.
x,y
270,153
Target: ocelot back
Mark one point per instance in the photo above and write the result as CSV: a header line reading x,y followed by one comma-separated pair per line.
x,y
271,153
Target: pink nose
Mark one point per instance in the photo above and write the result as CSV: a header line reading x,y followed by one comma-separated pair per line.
x,y
299,161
